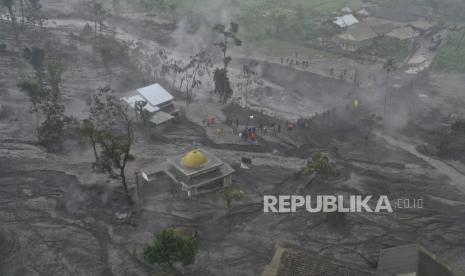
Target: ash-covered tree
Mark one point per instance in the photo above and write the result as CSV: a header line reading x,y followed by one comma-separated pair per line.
x,y
97,14
89,132
199,64
171,247
389,65
46,100
36,57
320,167
51,131
220,76
33,12
114,135
231,194
35,93
249,77
9,5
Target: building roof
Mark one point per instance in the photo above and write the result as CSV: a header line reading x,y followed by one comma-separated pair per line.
x,y
287,262
422,25
345,20
212,163
155,94
160,117
412,258
382,29
194,159
404,13
402,33
358,33
363,12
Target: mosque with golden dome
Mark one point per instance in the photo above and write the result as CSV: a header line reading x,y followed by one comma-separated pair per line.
x,y
199,171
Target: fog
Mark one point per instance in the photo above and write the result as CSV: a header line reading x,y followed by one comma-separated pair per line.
x,y
100,99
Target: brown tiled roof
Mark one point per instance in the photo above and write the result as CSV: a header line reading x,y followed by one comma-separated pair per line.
x,y
295,263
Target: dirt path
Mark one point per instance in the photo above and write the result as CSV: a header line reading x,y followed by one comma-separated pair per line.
x,y
456,178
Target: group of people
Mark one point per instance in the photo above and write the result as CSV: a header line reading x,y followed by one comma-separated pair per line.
x,y
295,62
251,132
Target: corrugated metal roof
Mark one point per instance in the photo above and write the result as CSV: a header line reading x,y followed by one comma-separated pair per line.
x,y
155,94
345,20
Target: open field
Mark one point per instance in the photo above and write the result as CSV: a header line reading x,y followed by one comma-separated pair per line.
x,y
451,56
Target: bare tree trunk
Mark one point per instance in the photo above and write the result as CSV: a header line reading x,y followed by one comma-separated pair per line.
x,y
21,2
125,185
94,147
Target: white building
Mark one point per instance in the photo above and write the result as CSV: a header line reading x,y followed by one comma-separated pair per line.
x,y
157,102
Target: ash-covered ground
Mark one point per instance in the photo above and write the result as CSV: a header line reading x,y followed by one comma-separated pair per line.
x,y
59,217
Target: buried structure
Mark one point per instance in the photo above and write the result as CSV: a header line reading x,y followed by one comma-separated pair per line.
x,y
199,171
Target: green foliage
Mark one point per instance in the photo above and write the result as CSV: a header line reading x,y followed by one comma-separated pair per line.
x,y
51,131
451,55
45,99
390,65
232,194
36,57
55,72
111,129
320,166
89,132
171,247
222,85
33,90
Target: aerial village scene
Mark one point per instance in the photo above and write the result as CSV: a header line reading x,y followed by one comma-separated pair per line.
x,y
194,137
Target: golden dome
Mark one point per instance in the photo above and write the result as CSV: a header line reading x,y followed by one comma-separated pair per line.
x,y
194,159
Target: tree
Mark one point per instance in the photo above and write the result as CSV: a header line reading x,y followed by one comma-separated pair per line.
x,y
97,13
115,135
390,65
198,65
36,57
232,194
51,131
33,12
249,77
87,130
171,247
33,90
55,71
228,36
8,4
320,167
222,84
